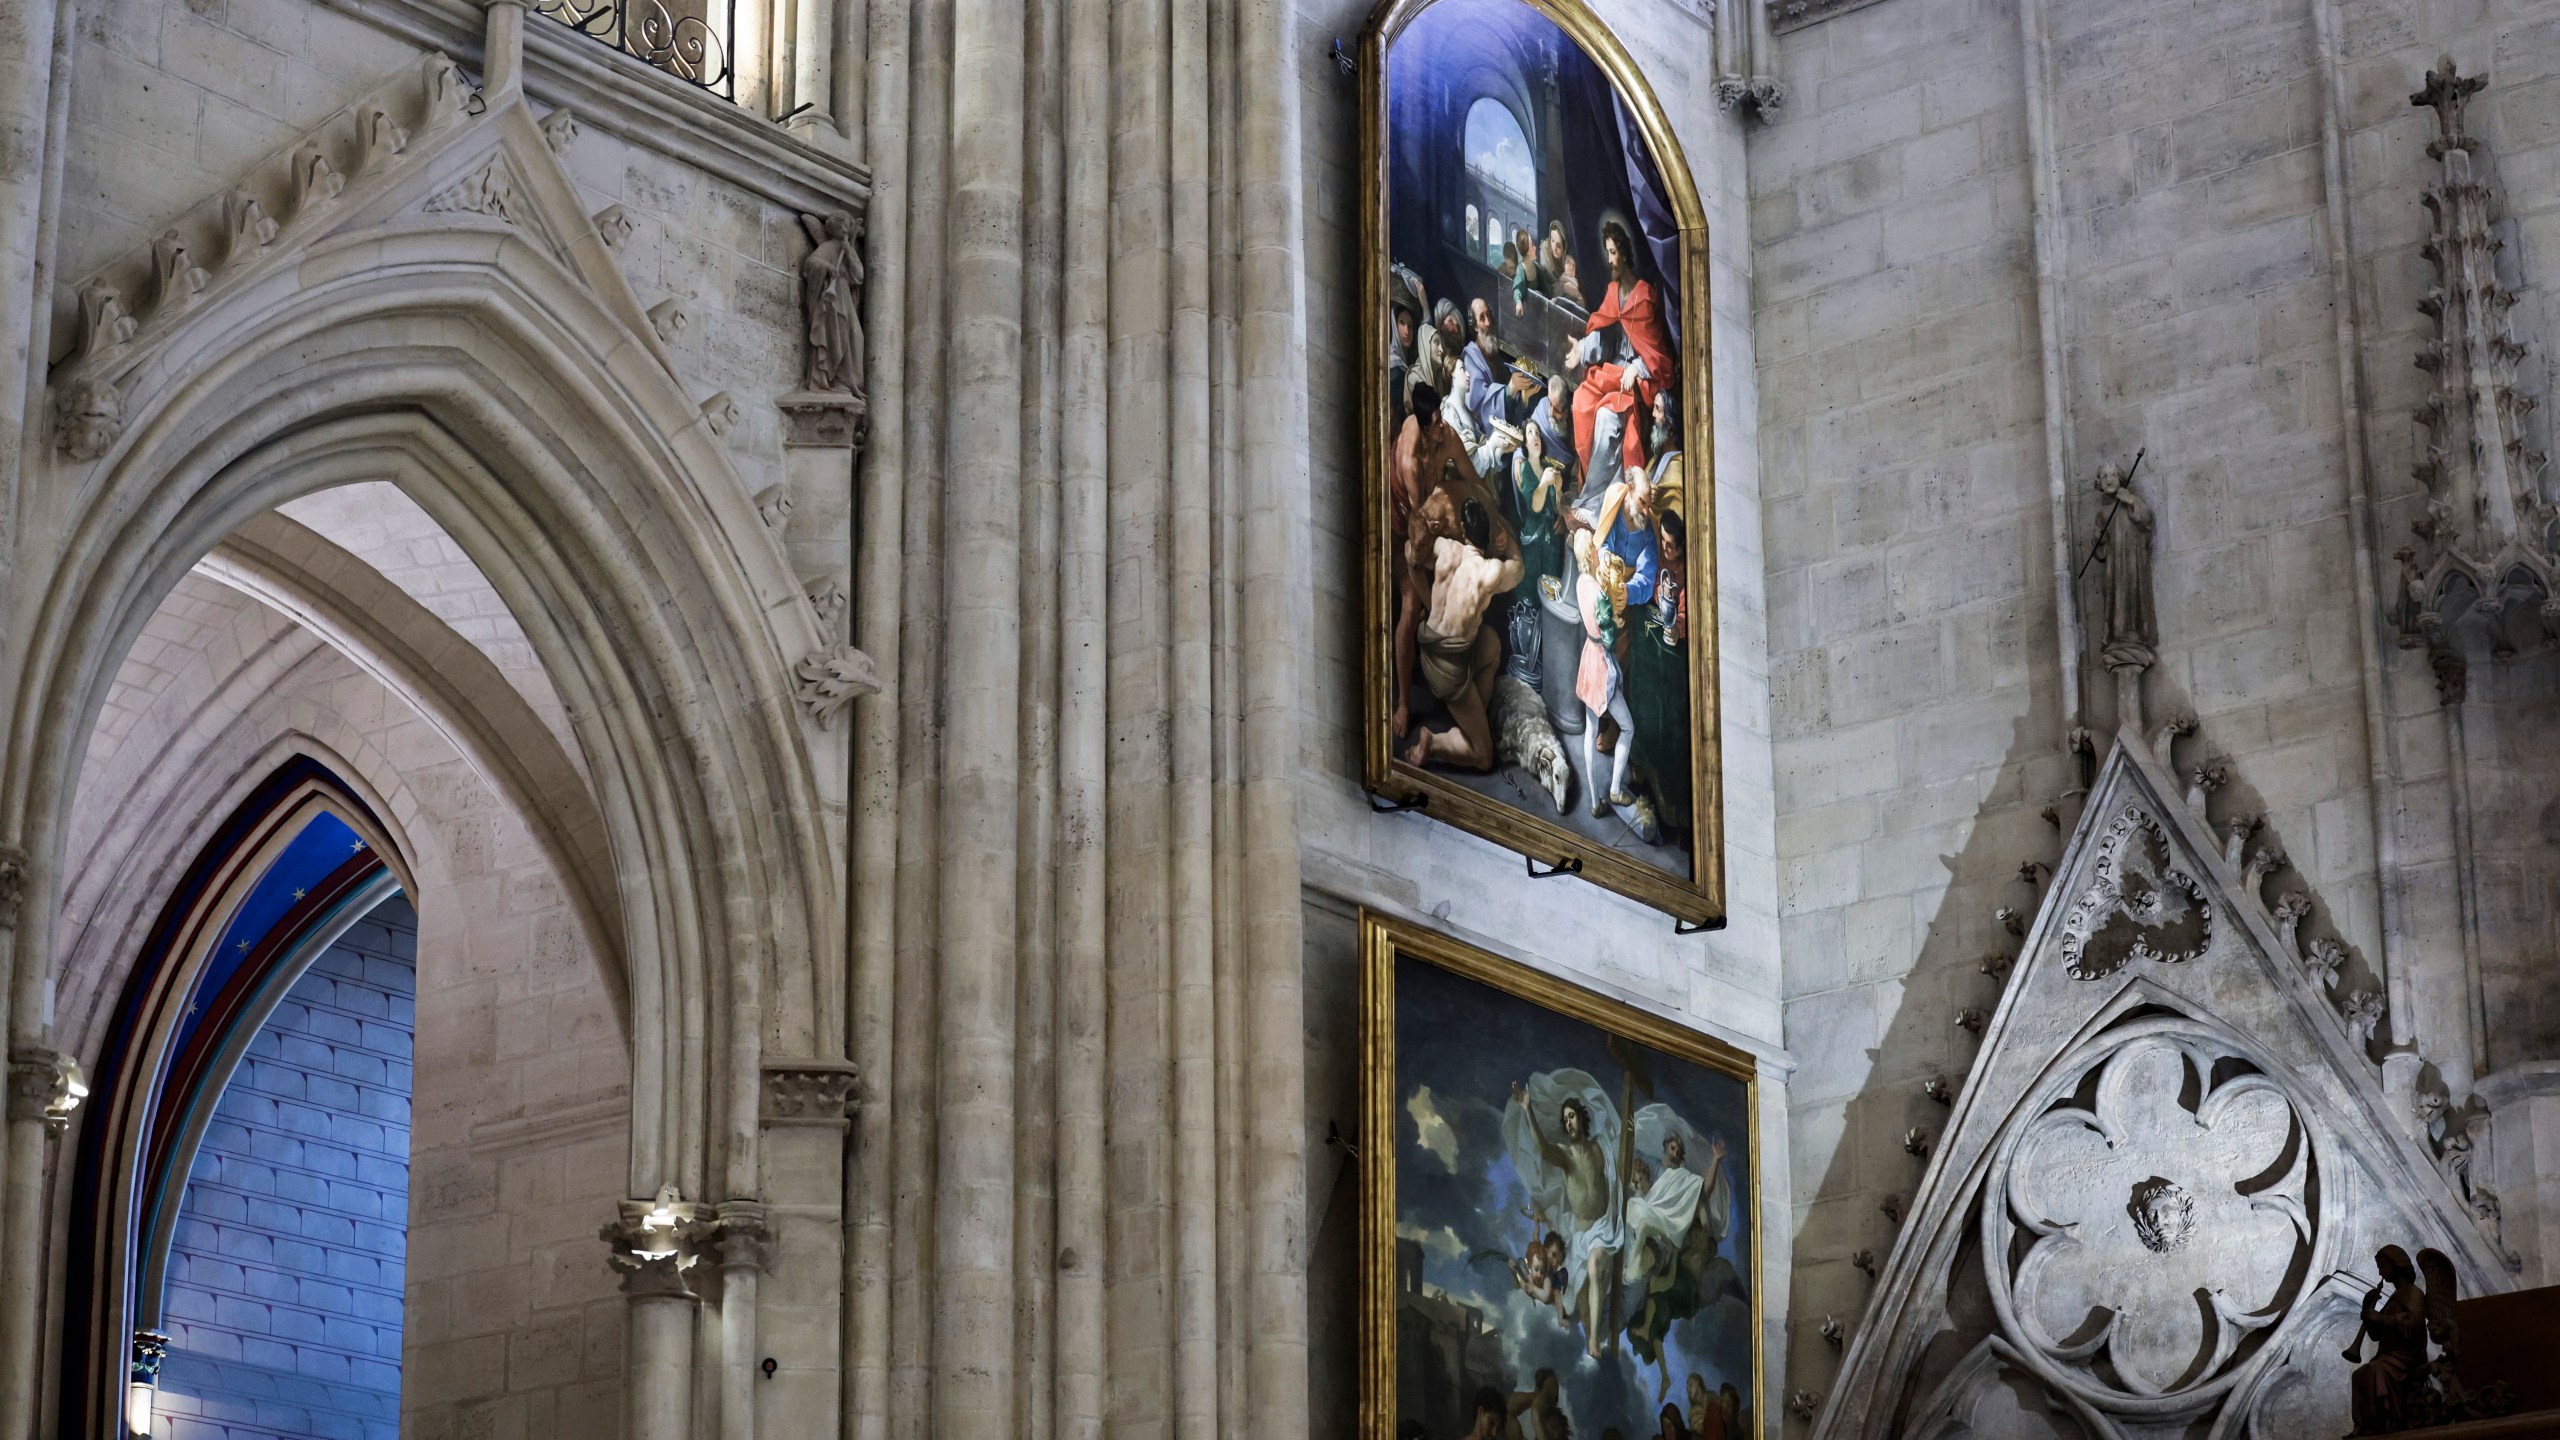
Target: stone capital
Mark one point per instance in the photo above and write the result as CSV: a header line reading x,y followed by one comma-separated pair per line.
x,y
744,1234
808,1092
655,1242
45,1085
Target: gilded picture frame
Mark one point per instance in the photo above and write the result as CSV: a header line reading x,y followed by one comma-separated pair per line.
x,y
1434,1256
1662,847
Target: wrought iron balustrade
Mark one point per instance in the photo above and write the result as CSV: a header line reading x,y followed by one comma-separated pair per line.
x,y
688,39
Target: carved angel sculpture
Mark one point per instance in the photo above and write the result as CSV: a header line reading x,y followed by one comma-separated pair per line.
x,y
831,294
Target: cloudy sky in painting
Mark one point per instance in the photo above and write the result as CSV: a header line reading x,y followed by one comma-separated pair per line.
x,y
1459,1047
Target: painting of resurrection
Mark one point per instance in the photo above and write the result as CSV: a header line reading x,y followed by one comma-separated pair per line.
x,y
1559,1207
1541,607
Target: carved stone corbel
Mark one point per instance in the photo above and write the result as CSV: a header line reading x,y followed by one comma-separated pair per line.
x,y
824,419
448,94
808,1092
830,679
774,505
45,1085
669,319
88,416
105,324
316,183
720,414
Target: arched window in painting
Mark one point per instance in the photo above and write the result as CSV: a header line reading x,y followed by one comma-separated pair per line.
x,y
1504,175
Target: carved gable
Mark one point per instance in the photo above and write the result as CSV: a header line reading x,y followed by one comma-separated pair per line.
x,y
2156,1204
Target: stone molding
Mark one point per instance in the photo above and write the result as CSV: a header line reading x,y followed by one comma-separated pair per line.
x,y
824,419
1790,15
629,100
808,1092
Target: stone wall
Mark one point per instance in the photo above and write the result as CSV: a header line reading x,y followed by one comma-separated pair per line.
x,y
1922,685
283,1300
1725,983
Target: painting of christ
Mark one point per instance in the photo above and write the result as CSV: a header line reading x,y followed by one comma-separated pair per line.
x,y
1559,1210
1541,611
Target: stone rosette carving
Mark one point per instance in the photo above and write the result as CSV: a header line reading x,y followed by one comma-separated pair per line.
x,y
808,1092
2138,905
45,1085
2157,1212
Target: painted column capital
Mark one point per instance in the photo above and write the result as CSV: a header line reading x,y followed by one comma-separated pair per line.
x,y
655,1242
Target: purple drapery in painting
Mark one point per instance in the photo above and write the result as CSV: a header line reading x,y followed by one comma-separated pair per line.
x,y
1655,220
1606,148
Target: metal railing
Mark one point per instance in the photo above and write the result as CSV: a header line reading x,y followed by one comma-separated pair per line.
x,y
684,39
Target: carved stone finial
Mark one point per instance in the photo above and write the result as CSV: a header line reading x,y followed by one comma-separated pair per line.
x,y
1971,1019
2363,1013
2290,912
2162,743
1891,1205
448,94
247,225
45,1085
179,278
1915,1141
1832,1333
560,130
1865,1260
1804,1405
380,140
1996,965
613,226
105,325
2034,873
88,418
720,413
808,1092
2323,961
830,679
2202,782
316,183
774,505
2010,920
2263,862
2236,833
669,319
831,281
1936,1088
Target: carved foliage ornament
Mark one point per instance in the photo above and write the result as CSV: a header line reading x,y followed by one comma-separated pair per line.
x,y
2138,905
2153,1220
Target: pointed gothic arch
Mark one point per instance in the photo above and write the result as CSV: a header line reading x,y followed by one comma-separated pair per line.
x,y
495,366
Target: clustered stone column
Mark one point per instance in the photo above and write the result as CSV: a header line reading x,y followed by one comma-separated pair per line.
x,y
1074,852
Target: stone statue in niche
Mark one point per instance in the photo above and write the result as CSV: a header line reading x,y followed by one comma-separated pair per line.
x,y
2130,633
2400,1388
831,294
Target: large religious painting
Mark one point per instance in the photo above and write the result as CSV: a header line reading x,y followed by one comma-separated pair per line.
x,y
1560,1205
1540,640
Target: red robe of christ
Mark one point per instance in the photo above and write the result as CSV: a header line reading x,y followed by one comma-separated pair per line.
x,y
1634,311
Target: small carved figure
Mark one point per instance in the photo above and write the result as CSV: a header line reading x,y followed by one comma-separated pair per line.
x,y
1915,1141
2383,1387
1865,1260
2130,635
1971,1019
1832,1332
831,293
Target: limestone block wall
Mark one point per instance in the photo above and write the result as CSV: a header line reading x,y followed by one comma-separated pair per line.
x,y
520,1106
1922,683
284,1273
1725,983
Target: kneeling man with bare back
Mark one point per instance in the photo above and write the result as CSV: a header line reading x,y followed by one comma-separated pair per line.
x,y
1459,656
